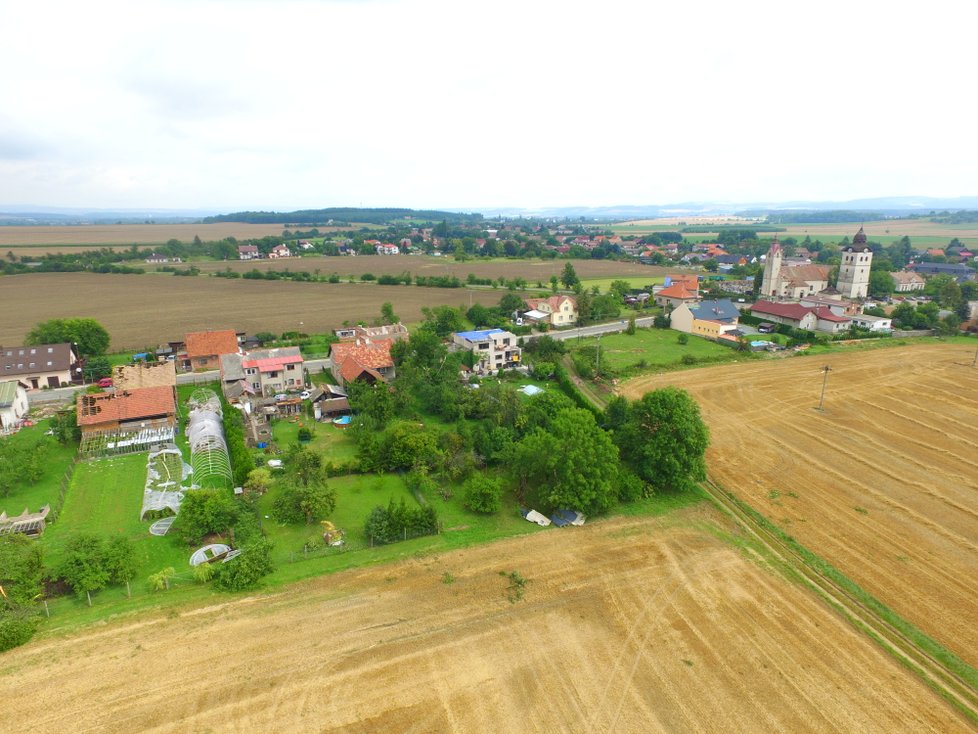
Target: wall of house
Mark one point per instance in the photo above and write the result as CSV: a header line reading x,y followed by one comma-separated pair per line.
x,y
682,319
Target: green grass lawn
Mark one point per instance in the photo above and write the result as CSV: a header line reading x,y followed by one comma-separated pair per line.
x,y
657,348
335,444
57,460
644,282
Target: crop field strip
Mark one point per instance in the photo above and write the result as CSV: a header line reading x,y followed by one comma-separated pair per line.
x,y
686,630
960,692
881,485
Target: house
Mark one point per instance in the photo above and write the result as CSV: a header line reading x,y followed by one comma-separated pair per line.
x,y
790,314
827,320
13,405
673,296
126,411
907,281
958,271
709,318
305,245
493,349
155,259
144,374
386,249
837,306
328,401
396,332
248,252
265,372
31,524
556,310
205,348
872,323
280,251
363,359
41,365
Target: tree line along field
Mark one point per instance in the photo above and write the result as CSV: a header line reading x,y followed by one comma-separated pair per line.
x,y
136,234
882,484
625,625
145,310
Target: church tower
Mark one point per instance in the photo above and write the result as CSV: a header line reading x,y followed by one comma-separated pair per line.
x,y
771,285
854,268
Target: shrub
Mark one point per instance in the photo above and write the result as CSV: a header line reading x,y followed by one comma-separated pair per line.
x,y
482,494
683,339
17,626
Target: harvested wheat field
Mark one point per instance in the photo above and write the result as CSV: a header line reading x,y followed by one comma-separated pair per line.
x,y
146,310
883,484
128,234
628,625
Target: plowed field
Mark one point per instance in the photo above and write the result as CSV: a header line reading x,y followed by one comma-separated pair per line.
x,y
629,625
883,484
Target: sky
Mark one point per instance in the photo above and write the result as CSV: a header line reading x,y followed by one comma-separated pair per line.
x,y
230,105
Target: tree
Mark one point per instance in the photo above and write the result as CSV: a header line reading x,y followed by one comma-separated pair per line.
x,y
509,303
665,439
206,511
97,367
387,314
569,276
880,284
482,494
120,560
259,480
573,464
305,496
64,426
479,315
85,566
160,580
245,571
90,336
21,568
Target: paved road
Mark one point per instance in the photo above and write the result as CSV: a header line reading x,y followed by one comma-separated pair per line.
x,y
614,327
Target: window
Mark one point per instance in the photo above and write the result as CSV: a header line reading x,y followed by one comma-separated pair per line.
x,y
273,375
290,366
32,365
33,351
50,350
50,363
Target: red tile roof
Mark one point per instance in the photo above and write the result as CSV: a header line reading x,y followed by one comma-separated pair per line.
x,y
680,291
272,364
826,314
794,311
211,343
553,301
372,354
125,405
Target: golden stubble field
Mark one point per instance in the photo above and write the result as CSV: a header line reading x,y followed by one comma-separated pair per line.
x,y
883,484
69,237
627,625
147,310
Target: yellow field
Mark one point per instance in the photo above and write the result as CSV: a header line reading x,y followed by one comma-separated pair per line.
x,y
627,625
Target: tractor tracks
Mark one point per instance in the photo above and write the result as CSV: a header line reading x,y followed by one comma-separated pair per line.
x,y
936,673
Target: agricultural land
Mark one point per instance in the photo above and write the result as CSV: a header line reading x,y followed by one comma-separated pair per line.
x,y
882,484
629,624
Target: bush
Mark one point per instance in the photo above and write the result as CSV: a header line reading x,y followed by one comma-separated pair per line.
x,y
683,339
245,571
368,276
17,626
482,494
397,522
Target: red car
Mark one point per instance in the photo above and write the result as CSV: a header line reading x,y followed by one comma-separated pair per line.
x,y
105,382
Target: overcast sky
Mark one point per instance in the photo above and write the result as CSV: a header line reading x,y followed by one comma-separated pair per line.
x,y
237,104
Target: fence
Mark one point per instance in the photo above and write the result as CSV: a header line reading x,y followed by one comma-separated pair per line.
x,y
307,553
65,483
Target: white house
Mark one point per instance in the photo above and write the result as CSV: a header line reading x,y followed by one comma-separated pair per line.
x,y
13,404
873,323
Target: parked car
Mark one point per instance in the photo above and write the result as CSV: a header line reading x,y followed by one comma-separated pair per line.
x,y
105,382
305,394
281,396
765,327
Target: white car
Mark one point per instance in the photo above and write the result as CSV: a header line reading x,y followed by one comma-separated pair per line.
x,y
305,394
281,396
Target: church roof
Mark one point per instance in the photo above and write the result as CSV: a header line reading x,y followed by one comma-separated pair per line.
x,y
858,242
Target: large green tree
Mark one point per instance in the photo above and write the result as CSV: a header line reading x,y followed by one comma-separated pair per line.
x,y
573,464
665,439
568,276
90,336
85,566
304,495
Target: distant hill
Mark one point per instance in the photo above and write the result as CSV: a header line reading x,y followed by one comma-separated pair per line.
x,y
348,214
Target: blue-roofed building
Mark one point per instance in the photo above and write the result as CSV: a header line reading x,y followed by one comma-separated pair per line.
x,y
709,318
494,349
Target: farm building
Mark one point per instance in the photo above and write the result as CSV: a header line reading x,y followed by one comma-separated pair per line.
x,y
13,405
40,365
363,359
125,420
144,374
397,332
205,348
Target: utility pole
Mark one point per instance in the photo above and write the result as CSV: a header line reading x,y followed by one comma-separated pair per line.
x,y
975,360
825,378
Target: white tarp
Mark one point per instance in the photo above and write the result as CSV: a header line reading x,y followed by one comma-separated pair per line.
x,y
539,519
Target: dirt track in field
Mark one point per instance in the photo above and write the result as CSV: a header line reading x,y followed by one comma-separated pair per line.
x,y
629,625
128,234
883,484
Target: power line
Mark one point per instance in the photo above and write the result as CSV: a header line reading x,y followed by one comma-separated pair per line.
x,y
825,378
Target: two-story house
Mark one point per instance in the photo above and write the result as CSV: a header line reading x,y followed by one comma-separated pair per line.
x,y
363,359
556,311
40,365
264,372
493,349
205,348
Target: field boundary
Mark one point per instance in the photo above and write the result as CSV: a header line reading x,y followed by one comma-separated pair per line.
x,y
942,671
